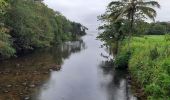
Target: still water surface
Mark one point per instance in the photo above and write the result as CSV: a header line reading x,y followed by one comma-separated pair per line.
x,y
73,71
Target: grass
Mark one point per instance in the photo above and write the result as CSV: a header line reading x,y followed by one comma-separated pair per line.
x,y
149,64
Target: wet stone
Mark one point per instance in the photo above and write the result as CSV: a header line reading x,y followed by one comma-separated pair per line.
x,y
18,65
32,86
27,98
6,91
21,93
8,86
16,73
24,83
50,70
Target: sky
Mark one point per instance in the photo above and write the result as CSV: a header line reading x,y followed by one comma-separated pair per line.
x,y
86,11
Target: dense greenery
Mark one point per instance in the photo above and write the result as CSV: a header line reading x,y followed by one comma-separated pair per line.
x,y
123,17
29,24
156,28
150,66
147,57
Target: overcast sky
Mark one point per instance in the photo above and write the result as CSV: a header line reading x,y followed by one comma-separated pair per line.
x,y
86,11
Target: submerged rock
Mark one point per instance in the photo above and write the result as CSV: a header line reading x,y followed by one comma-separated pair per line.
x,y
8,86
32,86
24,83
6,91
27,98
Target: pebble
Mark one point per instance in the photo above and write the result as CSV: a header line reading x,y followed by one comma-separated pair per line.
x,y
32,86
8,86
35,71
27,98
24,83
6,91
17,65
50,70
21,93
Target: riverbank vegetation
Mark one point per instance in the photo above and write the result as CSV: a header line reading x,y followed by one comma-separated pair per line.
x,y
149,64
29,24
141,47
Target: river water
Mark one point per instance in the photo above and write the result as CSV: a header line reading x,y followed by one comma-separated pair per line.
x,y
77,70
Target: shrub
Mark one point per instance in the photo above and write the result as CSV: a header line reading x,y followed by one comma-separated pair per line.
x,y
122,60
154,53
6,49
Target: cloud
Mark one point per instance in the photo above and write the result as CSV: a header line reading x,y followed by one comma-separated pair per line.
x,y
86,11
164,11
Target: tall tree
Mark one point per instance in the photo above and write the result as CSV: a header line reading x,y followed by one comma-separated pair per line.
x,y
131,10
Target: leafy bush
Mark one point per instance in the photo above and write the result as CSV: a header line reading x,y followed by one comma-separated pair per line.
x,y
6,49
154,53
122,60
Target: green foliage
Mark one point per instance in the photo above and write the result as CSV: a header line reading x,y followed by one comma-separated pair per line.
x,y
149,63
167,37
6,50
3,6
154,53
157,29
123,17
122,60
31,24
31,28
145,28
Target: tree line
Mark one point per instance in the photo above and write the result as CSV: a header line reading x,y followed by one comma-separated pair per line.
x,y
29,24
154,28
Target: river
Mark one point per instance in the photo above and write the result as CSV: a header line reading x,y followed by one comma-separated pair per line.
x,y
77,70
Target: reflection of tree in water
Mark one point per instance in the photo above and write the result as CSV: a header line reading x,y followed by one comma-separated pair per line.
x,y
116,87
64,51
21,77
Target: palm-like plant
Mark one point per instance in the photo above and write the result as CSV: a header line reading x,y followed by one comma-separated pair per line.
x,y
131,10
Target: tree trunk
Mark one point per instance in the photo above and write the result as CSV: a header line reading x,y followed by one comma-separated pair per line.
x,y
131,28
116,47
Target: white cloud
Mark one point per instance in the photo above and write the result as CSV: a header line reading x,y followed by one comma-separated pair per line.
x,y
164,11
83,11
86,11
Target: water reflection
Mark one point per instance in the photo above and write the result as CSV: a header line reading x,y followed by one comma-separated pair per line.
x,y
86,76
72,71
21,77
117,88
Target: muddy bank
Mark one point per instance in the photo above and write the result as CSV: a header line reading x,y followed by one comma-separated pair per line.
x,y
136,87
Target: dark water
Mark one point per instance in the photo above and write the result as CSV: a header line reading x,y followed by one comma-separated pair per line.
x,y
73,71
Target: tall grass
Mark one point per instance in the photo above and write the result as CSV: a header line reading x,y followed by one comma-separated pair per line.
x,y
149,64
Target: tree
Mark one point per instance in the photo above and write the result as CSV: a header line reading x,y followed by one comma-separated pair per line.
x,y
29,24
132,10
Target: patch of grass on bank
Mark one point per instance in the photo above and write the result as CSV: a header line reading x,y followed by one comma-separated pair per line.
x,y
149,64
